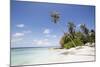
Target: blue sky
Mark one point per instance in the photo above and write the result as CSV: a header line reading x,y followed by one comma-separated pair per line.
x,y
32,26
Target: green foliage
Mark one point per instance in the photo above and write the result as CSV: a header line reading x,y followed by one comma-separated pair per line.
x,y
73,38
78,42
80,38
64,40
84,29
92,36
70,44
84,39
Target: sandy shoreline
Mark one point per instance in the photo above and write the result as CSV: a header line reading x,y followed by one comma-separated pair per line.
x,y
84,53
78,54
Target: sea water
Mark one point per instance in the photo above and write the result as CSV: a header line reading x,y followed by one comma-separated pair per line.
x,y
30,56
33,56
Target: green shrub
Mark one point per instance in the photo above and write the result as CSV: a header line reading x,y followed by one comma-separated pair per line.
x,y
78,42
64,40
70,44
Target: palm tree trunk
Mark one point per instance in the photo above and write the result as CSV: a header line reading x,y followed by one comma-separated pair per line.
x,y
72,41
61,29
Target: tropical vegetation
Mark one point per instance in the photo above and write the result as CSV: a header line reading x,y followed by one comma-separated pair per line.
x,y
73,37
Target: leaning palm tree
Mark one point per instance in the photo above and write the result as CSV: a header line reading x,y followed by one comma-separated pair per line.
x,y
55,16
71,29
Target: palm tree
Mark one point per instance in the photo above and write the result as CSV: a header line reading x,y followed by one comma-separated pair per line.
x,y
55,16
71,29
92,36
84,29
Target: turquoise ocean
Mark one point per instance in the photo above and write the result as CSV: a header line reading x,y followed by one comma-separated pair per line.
x,y
30,56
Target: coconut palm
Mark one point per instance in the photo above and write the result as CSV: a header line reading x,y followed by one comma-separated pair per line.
x,y
84,29
71,29
92,36
55,16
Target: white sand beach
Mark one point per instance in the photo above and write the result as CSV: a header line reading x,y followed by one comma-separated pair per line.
x,y
84,53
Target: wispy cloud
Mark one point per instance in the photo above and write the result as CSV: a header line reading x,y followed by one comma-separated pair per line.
x,y
27,31
46,31
18,34
20,25
41,42
14,40
52,36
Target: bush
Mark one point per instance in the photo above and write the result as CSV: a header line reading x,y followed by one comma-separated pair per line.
x,y
70,44
78,42
64,40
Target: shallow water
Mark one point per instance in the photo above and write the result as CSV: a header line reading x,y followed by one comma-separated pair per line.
x,y
25,56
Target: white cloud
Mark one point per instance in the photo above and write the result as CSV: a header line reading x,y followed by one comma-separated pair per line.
x,y
52,36
46,31
18,34
13,40
41,42
27,31
20,25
